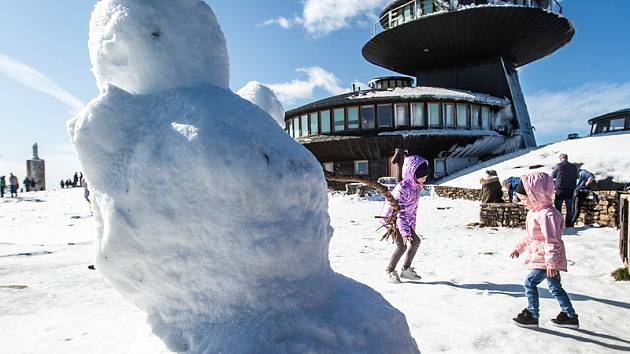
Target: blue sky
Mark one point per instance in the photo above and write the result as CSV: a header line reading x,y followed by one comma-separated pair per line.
x,y
297,47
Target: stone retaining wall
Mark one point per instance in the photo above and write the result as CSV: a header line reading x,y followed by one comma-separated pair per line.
x,y
602,210
502,214
457,193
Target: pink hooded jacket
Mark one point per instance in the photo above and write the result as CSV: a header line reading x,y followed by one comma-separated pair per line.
x,y
545,226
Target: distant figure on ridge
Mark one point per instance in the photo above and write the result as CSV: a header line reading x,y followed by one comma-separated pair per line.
x,y
68,183
27,184
565,175
62,184
75,180
3,185
491,191
14,184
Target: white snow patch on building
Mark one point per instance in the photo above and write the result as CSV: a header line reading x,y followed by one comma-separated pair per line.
x,y
263,97
605,156
427,92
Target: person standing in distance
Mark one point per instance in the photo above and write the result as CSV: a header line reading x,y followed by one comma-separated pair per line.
x,y
565,175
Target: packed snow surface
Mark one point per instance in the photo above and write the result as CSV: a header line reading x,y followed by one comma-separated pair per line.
x,y
263,97
604,155
210,217
144,46
470,288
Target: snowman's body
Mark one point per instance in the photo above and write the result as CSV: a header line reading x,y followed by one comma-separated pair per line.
x,y
211,218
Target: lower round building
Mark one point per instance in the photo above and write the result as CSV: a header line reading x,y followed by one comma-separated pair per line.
x,y
358,133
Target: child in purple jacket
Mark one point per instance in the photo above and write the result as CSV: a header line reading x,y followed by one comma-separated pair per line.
x,y
414,173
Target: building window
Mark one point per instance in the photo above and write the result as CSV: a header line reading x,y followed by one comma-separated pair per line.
x,y
401,111
485,117
325,121
601,127
296,127
617,124
304,125
361,167
329,166
385,118
289,127
417,114
474,116
314,121
338,116
367,117
449,115
353,118
434,115
427,6
462,115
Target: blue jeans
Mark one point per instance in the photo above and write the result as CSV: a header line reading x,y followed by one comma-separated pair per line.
x,y
568,220
535,277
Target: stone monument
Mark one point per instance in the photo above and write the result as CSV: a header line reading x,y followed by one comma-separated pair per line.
x,y
36,171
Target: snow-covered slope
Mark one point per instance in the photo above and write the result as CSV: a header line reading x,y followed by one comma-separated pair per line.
x,y
604,155
210,217
263,97
52,303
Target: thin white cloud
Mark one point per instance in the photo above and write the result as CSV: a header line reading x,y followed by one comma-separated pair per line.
x,y
557,113
32,78
321,17
299,89
279,21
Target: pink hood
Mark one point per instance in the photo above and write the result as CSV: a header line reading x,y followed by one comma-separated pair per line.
x,y
542,245
540,188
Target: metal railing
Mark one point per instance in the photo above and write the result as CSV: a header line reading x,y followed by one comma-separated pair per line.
x,y
416,9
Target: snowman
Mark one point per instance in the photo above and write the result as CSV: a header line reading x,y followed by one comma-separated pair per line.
x,y
210,217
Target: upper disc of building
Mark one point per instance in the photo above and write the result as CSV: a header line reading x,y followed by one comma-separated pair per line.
x,y
429,34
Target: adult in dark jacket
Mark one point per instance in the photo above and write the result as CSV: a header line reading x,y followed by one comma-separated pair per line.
x,y
565,175
27,184
3,185
491,191
13,185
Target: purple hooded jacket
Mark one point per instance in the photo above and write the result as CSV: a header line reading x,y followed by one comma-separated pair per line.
x,y
406,193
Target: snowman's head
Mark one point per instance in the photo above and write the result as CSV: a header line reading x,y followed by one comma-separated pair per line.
x,y
145,46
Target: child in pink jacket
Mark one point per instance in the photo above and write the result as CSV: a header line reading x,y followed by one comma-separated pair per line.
x,y
543,249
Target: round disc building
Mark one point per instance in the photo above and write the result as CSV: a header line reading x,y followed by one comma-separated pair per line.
x,y
466,104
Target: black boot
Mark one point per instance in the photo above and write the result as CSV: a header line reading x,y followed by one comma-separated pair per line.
x,y
526,320
563,320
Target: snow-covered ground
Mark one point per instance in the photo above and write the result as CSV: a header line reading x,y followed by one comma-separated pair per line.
x,y
52,303
604,155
